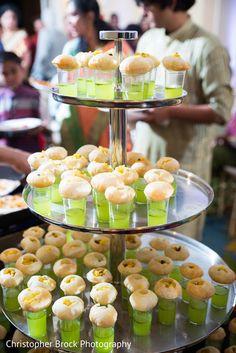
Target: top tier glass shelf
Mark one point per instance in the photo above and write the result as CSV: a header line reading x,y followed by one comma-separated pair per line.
x,y
158,101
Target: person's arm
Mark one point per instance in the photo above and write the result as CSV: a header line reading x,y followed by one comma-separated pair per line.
x,y
198,114
16,158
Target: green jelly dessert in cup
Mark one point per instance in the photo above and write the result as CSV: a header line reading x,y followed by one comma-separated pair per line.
x,y
175,69
85,79
9,256
42,281
159,243
222,277
159,267
55,238
100,183
48,255
126,268
56,165
188,270
103,319
120,200
75,249
132,244
94,260
158,194
35,231
101,244
104,66
85,238
178,253
99,275
141,167
132,283
74,191
134,70
29,265
64,267
199,291
68,310
82,82
144,255
41,183
30,244
95,168
150,77
142,301
156,174
103,293
167,290
34,301
67,74
10,280
104,84
172,166
73,285
45,282
67,82
129,177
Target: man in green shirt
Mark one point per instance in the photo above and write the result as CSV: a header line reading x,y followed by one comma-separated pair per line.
x,y
190,128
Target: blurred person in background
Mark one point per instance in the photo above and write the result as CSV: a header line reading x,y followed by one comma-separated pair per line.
x,y
1,45
81,124
85,23
69,29
224,152
134,27
18,100
114,22
147,21
49,44
190,128
31,44
12,37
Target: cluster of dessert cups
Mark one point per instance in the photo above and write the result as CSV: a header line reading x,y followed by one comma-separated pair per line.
x,y
57,178
93,75
161,269
46,279
58,265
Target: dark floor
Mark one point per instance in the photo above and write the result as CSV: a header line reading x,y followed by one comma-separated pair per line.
x,y
216,233
217,238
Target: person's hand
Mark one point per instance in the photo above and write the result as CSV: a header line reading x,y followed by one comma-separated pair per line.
x,y
152,116
18,160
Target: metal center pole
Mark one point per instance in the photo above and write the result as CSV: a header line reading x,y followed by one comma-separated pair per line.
x,y
117,131
117,140
117,144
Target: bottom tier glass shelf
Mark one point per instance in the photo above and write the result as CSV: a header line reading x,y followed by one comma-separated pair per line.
x,y
162,338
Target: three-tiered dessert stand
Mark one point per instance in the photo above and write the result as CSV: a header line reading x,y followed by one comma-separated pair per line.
x,y
193,196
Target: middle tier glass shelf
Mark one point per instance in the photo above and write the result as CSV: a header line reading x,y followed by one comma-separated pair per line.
x,y
193,196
